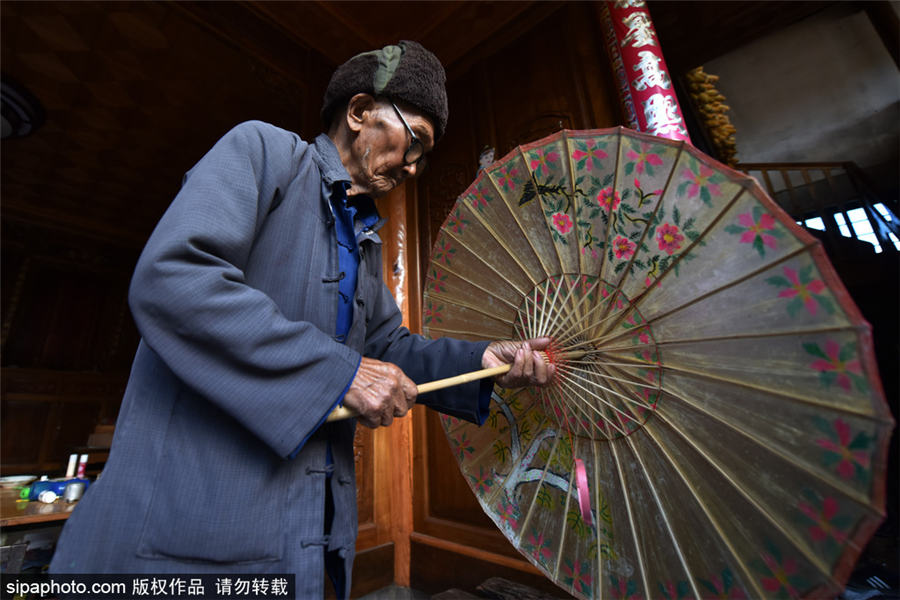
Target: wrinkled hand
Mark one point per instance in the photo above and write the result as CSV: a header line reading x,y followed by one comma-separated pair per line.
x,y
379,393
528,366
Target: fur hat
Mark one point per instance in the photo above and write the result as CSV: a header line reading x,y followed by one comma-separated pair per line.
x,y
405,71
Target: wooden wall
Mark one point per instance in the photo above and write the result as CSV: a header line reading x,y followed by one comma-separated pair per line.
x,y
554,75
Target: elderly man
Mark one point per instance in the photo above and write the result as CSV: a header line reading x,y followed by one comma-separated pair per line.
x,y
260,302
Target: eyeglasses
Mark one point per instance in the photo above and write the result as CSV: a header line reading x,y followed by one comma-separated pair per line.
x,y
416,151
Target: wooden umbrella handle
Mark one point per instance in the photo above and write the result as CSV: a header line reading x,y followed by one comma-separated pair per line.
x,y
342,412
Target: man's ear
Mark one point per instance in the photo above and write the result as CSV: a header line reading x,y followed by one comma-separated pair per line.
x,y
359,108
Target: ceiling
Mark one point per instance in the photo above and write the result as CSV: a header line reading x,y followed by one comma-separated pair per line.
x,y
135,92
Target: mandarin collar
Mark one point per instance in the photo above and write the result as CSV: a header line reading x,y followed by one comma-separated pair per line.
x,y
330,164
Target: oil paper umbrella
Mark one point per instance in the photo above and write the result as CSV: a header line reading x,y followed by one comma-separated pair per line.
x,y
717,427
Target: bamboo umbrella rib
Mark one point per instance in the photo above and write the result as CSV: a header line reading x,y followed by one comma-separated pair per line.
x,y
573,319
555,308
665,518
774,392
731,336
748,577
571,385
492,293
527,521
639,299
568,406
476,335
610,215
558,308
605,389
767,266
597,503
502,276
571,164
562,537
470,306
628,381
761,508
539,198
511,210
597,308
629,510
781,454
627,269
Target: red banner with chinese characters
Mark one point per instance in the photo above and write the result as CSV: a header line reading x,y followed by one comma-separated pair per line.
x,y
645,88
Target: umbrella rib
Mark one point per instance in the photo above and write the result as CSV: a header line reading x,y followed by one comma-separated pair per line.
x,y
748,576
665,518
774,392
737,336
570,384
631,519
472,307
850,493
515,217
738,281
544,471
561,308
638,300
627,269
478,335
503,277
609,218
580,409
539,197
501,241
483,289
812,558
597,521
562,537
605,389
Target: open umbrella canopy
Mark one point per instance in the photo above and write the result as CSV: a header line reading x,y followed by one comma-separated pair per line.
x,y
717,426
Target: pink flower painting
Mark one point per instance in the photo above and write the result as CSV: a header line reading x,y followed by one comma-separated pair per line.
x,y
669,238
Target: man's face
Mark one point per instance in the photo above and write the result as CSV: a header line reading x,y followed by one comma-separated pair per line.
x,y
376,163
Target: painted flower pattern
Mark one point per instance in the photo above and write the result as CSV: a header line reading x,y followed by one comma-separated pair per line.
x,y
623,247
438,280
506,178
577,575
483,482
702,181
837,364
538,546
588,155
609,198
443,251
479,199
462,447
455,222
780,576
723,586
845,452
803,290
825,523
642,160
669,238
756,228
433,313
509,513
675,590
562,222
540,161
625,589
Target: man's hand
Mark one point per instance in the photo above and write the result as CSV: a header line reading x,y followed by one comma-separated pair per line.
x,y
379,392
528,366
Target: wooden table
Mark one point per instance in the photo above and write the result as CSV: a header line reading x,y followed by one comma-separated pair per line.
x,y
20,512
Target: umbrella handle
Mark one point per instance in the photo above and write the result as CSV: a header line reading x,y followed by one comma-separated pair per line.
x,y
342,412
